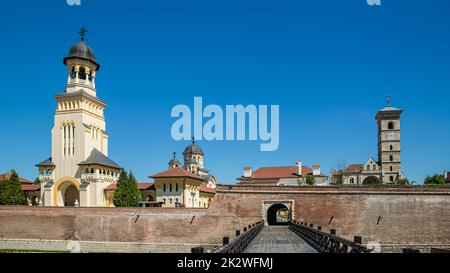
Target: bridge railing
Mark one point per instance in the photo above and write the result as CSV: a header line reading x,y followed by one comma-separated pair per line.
x,y
328,242
241,241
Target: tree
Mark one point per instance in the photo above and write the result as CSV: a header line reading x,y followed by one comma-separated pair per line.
x,y
11,192
435,180
37,181
127,193
403,182
337,171
310,180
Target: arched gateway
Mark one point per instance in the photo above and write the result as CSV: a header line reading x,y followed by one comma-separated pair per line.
x,y
278,212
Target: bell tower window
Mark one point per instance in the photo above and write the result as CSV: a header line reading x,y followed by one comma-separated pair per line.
x,y
82,73
391,125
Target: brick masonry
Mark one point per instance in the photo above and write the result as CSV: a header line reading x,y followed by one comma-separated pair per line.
x,y
389,216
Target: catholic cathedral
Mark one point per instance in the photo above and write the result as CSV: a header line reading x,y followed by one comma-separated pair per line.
x,y
79,171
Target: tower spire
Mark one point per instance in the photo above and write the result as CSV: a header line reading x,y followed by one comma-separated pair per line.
x,y
82,33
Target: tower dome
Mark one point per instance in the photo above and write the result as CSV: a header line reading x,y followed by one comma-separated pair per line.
x,y
174,163
193,148
82,51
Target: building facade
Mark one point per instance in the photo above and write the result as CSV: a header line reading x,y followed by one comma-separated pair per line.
x,y
79,169
387,169
284,176
189,185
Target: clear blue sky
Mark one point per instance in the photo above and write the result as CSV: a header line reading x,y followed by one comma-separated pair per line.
x,y
328,64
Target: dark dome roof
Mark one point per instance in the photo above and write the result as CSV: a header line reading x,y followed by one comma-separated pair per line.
x,y
174,161
82,51
193,149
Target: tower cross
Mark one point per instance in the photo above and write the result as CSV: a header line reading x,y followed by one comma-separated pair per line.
x,y
82,33
388,100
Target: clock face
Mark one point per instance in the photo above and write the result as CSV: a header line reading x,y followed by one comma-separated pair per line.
x,y
391,136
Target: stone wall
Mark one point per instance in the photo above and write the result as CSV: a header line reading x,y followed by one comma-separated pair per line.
x,y
389,216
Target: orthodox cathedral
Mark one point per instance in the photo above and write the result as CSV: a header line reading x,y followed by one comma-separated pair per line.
x,y
79,171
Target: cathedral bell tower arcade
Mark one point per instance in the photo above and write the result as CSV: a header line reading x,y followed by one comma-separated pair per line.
x,y
79,168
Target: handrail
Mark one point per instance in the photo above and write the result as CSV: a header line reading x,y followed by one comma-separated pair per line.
x,y
238,244
328,243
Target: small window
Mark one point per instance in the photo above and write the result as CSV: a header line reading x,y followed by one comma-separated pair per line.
x,y
391,178
176,187
164,200
170,200
391,168
352,180
391,125
164,187
391,147
391,158
170,189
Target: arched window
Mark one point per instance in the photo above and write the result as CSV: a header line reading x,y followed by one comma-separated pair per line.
x,y
92,170
374,167
352,180
164,187
391,178
391,158
82,73
170,200
391,168
390,125
391,147
176,187
73,75
170,189
164,200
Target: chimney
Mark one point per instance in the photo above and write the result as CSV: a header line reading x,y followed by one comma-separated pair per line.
x,y
247,172
299,167
316,169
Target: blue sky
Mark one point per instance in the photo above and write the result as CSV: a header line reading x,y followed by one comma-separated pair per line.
x,y
328,64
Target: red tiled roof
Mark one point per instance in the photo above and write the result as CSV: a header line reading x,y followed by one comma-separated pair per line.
x,y
204,188
30,187
354,168
176,172
6,176
279,172
141,186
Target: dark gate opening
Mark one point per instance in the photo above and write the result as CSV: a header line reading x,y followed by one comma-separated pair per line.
x,y
278,215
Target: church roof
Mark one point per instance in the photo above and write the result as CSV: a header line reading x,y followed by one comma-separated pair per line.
x,y
354,168
46,163
98,158
7,176
193,148
82,51
176,172
390,109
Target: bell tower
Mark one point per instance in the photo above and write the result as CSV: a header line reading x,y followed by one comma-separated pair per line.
x,y
389,147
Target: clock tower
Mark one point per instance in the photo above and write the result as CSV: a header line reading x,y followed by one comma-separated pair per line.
x,y
389,143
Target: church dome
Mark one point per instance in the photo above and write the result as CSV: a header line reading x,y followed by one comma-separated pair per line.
x,y
82,51
174,161
193,148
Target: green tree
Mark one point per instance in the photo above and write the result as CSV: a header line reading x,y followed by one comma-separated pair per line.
x,y
403,182
435,180
37,181
127,193
310,180
11,192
